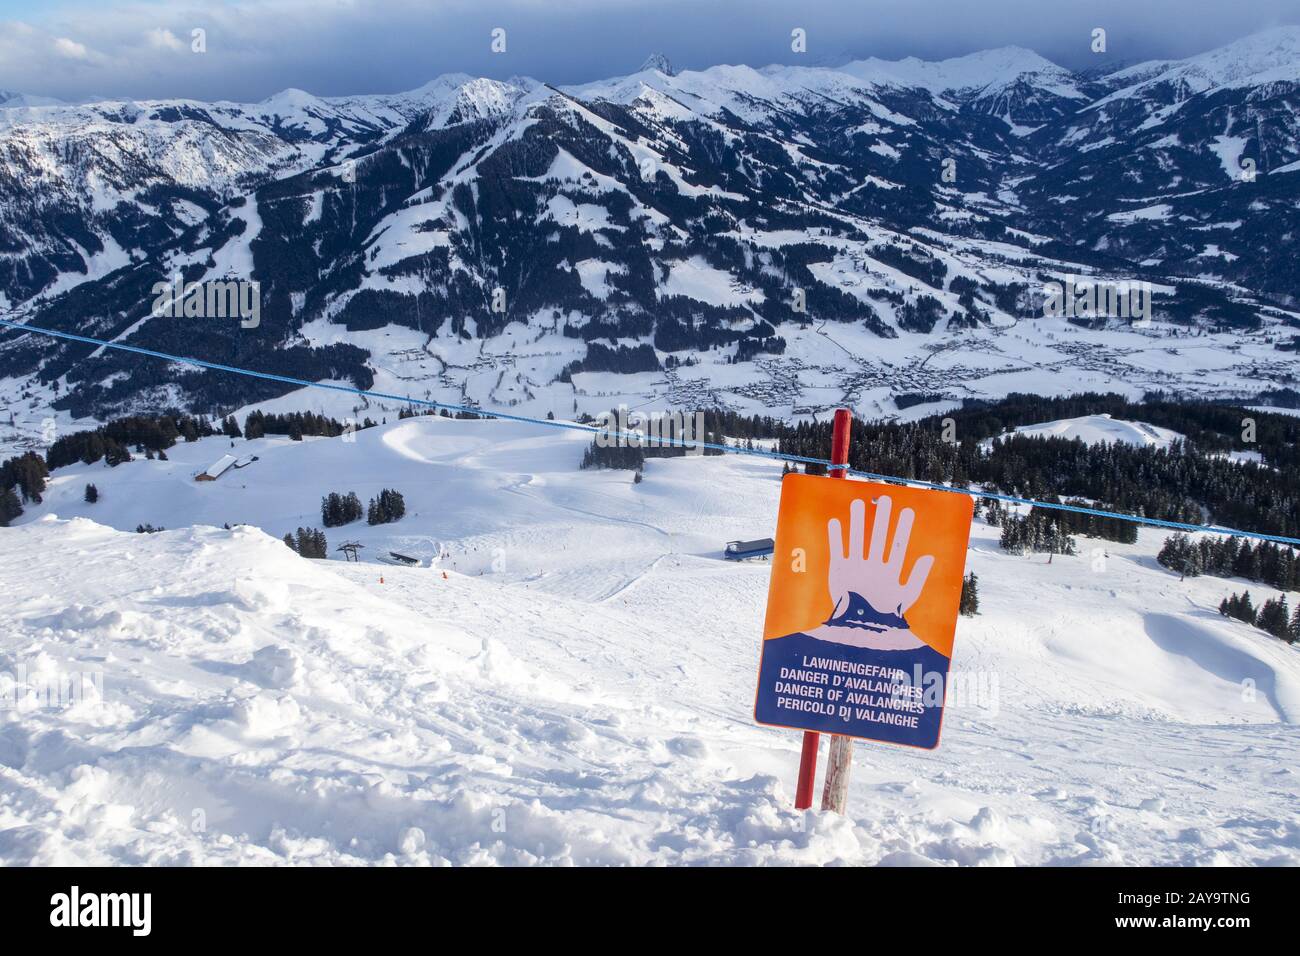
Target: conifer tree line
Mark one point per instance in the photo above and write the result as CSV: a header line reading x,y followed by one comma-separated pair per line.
x,y
1272,617
340,509
23,475
1070,522
617,452
1088,525
309,543
1181,483
295,425
114,440
1035,533
412,411
1267,562
387,508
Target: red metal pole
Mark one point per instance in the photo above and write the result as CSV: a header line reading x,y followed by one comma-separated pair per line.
x,y
808,757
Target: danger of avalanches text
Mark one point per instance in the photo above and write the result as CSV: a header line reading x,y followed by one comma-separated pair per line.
x,y
882,695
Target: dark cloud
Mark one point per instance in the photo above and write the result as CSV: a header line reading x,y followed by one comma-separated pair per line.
x,y
353,46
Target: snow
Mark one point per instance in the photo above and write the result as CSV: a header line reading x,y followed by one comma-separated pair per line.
x,y
1229,149
578,688
1103,430
13,100
1158,212
592,272
1269,56
987,71
585,217
696,279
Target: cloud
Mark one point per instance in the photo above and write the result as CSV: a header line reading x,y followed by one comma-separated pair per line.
x,y
70,48
141,49
161,38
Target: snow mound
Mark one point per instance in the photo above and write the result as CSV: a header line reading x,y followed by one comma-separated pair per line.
x,y
1103,430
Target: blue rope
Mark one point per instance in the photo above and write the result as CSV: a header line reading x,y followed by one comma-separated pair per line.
x,y
640,437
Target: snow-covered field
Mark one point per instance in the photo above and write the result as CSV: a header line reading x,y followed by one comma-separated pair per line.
x,y
578,687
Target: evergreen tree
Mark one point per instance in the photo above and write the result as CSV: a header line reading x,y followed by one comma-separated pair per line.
x,y
26,472
309,543
10,506
1275,618
288,539
1180,555
387,508
1246,609
115,453
970,599
92,494
337,509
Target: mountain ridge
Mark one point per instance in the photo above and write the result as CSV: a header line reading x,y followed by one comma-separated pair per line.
x,y
706,230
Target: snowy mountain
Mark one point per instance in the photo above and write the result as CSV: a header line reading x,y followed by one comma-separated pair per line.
x,y
1011,83
780,239
530,694
13,100
1269,57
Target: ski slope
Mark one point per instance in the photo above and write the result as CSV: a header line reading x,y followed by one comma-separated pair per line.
x,y
568,679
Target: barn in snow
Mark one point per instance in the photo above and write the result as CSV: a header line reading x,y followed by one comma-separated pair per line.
x,y
216,469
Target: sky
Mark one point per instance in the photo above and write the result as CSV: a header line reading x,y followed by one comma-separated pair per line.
x,y
75,50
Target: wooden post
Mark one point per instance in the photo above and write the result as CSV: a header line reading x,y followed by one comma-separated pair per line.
x,y
811,739
839,760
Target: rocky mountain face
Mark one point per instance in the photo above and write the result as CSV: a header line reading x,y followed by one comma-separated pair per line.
x,y
649,219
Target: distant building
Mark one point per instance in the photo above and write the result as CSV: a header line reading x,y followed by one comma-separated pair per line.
x,y
217,469
741,550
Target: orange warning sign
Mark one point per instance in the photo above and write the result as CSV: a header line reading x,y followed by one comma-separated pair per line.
x,y
866,583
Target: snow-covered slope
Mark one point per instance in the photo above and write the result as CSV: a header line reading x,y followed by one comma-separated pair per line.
x,y
1102,430
1270,56
578,687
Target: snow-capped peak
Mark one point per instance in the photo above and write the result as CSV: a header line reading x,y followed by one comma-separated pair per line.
x,y
10,99
985,72
659,62
1266,57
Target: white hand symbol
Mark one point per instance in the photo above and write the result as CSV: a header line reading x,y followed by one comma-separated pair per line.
x,y
877,578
